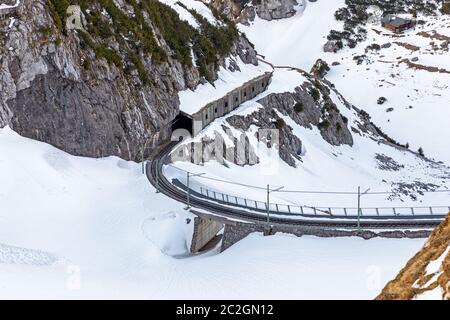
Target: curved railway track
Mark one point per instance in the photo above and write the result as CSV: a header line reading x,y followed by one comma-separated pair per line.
x,y
158,180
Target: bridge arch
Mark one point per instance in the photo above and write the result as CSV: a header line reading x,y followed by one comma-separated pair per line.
x,y
182,121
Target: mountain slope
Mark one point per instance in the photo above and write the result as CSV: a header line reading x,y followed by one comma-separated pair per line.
x,y
427,274
112,86
401,68
325,144
327,141
80,228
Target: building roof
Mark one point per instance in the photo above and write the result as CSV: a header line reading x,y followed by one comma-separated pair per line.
x,y
395,21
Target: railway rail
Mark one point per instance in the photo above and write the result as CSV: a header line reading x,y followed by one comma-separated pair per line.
x,y
156,177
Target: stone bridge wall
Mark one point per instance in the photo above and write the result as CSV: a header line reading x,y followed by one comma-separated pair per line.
x,y
234,233
207,227
229,102
205,230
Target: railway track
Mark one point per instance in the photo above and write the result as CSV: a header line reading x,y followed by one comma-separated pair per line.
x,y
158,180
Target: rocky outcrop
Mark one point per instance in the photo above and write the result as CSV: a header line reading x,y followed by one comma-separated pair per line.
x,y
245,11
332,46
320,69
304,108
427,274
230,8
8,7
310,105
90,95
290,145
275,9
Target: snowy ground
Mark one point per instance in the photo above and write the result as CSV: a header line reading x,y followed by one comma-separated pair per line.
x,y
323,167
420,98
295,41
5,6
420,102
73,227
185,15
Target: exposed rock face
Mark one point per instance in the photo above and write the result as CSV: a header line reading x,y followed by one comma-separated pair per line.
x,y
310,105
427,273
215,148
244,11
54,90
290,145
275,9
332,46
304,110
231,8
320,69
245,51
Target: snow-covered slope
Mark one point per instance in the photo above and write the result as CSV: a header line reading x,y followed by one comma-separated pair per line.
x,y
415,114
9,6
369,162
182,7
74,227
295,41
419,98
417,107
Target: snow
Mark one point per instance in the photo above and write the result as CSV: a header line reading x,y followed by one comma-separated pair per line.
x,y
5,6
11,22
435,266
323,167
185,15
419,98
23,256
79,228
193,101
435,294
298,42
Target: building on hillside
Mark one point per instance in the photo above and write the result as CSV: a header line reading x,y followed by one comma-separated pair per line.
x,y
397,24
196,120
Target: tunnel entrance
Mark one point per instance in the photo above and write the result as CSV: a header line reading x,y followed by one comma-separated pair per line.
x,y
182,121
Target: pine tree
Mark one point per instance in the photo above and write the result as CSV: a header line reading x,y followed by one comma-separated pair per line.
x,y
421,152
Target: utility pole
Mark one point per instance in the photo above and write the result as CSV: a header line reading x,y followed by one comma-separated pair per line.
x,y
359,206
157,175
188,196
144,145
142,158
268,202
268,205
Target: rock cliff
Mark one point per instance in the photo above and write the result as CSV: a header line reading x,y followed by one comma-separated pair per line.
x,y
244,11
110,87
275,9
427,274
305,109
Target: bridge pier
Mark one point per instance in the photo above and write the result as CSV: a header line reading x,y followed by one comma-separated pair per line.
x,y
205,231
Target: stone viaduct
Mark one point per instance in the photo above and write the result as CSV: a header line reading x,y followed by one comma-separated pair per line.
x,y
199,120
